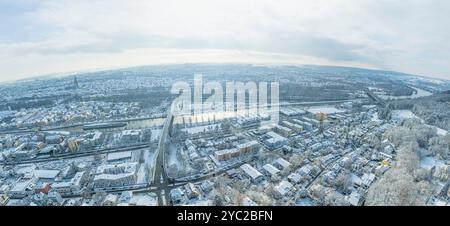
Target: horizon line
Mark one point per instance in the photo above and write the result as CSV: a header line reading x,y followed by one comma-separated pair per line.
x,y
103,69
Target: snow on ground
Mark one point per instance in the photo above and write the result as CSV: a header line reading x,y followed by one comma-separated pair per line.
x,y
141,177
326,110
155,134
66,133
173,158
441,132
407,114
375,117
404,114
150,158
144,200
429,162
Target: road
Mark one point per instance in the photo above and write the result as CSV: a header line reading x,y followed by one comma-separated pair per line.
x,y
160,179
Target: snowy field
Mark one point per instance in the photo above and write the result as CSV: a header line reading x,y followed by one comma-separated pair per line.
x,y
173,160
425,162
144,199
155,134
326,110
407,114
404,114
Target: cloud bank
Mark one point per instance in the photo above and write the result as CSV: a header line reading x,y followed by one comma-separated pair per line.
x,y
41,37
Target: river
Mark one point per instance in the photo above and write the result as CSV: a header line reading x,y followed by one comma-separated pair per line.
x,y
417,94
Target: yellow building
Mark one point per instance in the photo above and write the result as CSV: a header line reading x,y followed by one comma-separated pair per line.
x,y
4,199
73,145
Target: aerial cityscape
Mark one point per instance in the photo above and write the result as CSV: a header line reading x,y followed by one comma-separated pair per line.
x,y
344,137
223,111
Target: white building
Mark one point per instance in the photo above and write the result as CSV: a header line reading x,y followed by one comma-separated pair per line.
x,y
283,130
62,187
305,170
294,127
251,172
116,175
46,174
271,170
305,125
246,201
284,188
76,183
282,163
275,141
367,179
23,188
191,191
241,149
354,198
295,178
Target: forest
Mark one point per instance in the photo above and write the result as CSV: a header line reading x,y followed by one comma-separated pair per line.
x,y
434,110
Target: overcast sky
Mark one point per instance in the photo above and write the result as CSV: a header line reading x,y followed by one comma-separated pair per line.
x,y
48,36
